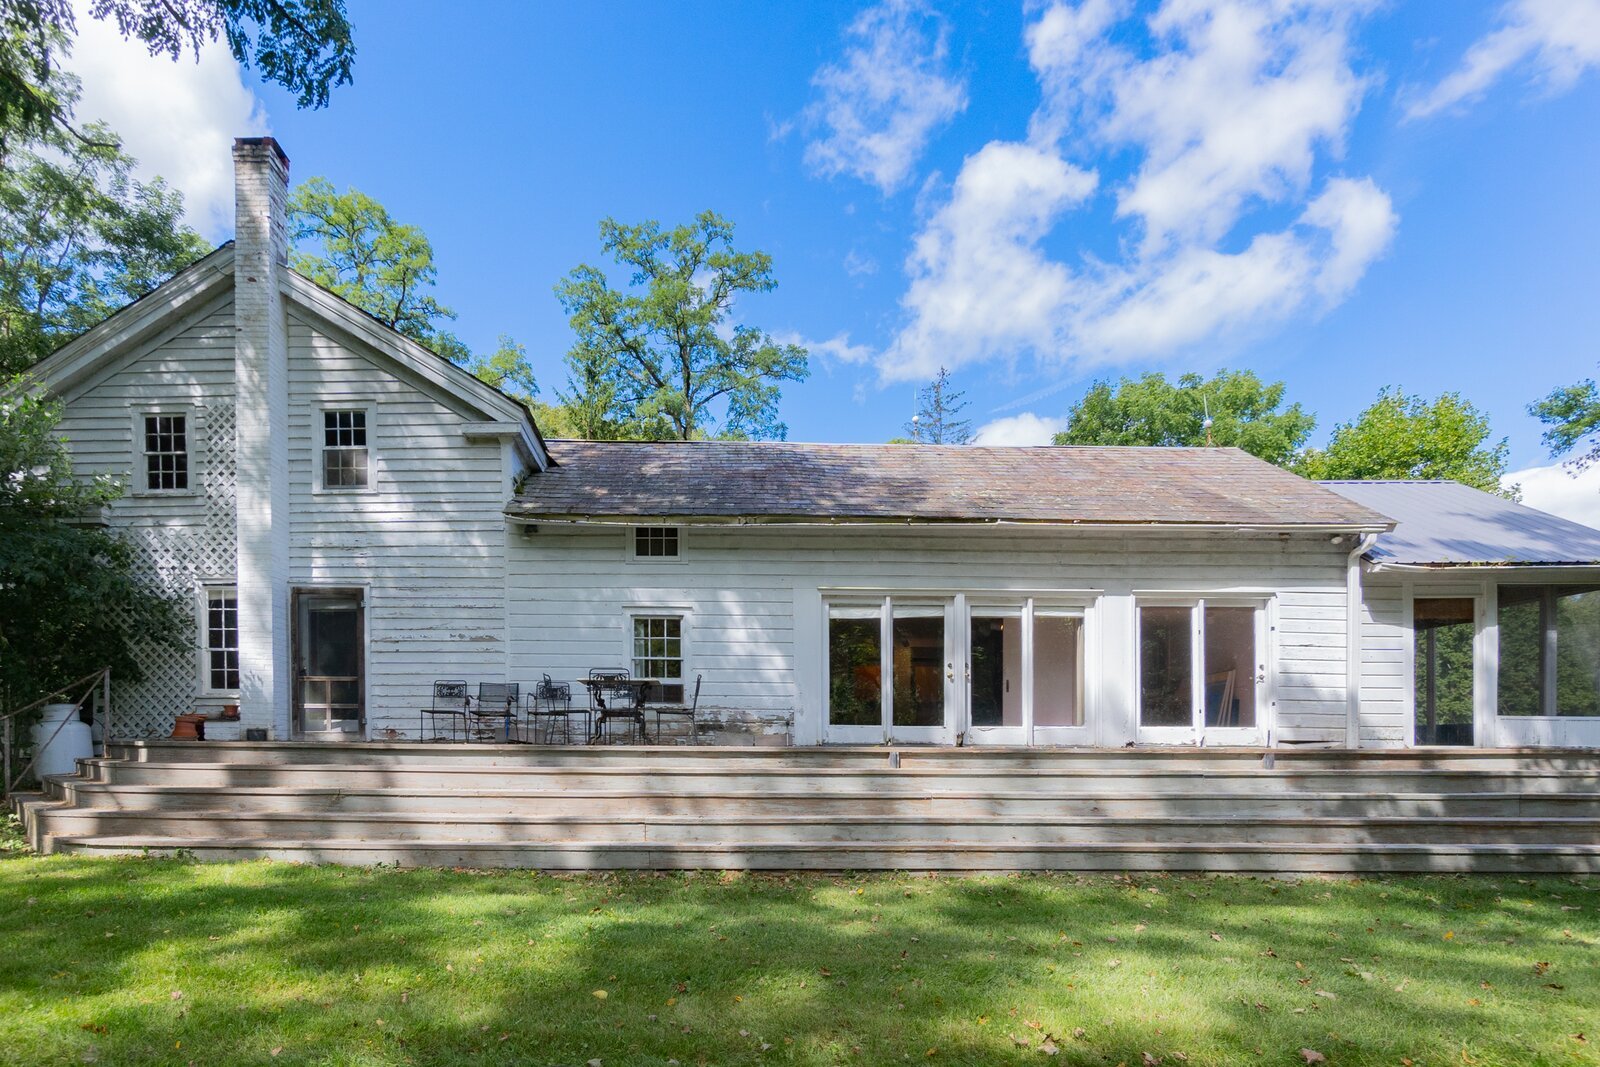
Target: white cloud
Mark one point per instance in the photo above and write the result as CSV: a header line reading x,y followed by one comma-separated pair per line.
x,y
1024,429
980,284
1228,110
1556,41
837,348
177,118
881,103
1554,489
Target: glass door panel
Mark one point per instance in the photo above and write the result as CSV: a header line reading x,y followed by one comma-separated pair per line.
x,y
1230,667
922,666
1233,670
855,669
1057,670
995,661
1166,672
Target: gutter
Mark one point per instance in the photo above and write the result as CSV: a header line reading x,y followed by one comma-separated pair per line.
x,y
1352,641
535,519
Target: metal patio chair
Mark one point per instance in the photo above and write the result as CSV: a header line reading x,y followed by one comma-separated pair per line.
x,y
616,697
552,702
684,712
494,713
449,703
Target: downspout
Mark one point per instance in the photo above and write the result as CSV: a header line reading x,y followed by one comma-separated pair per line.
x,y
1352,641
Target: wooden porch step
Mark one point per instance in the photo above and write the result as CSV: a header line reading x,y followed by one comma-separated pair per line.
x,y
465,775
1264,859
1056,830
666,799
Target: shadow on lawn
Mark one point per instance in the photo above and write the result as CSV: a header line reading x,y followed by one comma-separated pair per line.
x,y
502,968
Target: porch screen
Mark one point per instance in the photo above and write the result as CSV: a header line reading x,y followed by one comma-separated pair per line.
x,y
855,665
1549,650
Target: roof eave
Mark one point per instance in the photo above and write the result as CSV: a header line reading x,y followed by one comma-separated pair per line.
x,y
517,514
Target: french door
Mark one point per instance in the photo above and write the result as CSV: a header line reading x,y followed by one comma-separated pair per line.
x,y
1201,672
891,670
1023,668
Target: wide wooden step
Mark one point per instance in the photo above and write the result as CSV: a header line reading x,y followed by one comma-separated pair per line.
x,y
464,776
988,760
1264,859
705,830
658,798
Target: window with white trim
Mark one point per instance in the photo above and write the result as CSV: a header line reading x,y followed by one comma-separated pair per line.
x,y
346,459
658,655
222,639
655,542
166,453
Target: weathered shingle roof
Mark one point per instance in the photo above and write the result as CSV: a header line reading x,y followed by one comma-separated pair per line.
x,y
1442,523
776,481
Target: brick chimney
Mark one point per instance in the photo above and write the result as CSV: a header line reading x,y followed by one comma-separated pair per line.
x,y
261,379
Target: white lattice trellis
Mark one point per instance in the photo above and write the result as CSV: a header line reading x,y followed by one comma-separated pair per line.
x,y
177,559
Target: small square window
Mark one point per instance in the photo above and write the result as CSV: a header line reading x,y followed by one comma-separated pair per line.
x,y
166,453
655,542
344,450
222,639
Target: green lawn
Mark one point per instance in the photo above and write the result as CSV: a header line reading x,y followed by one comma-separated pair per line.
x,y
161,961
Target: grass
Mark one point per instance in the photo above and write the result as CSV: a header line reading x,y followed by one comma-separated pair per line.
x,y
161,961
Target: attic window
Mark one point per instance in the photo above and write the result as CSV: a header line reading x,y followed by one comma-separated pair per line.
x,y
655,542
166,453
345,456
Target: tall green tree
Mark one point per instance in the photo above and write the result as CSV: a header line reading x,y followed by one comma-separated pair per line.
x,y
1245,413
349,243
1407,436
303,45
1572,417
71,601
938,419
79,238
662,357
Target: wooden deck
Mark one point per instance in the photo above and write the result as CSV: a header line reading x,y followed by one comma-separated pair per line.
x,y
1323,811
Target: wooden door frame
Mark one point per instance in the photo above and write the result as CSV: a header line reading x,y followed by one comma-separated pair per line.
x,y
362,595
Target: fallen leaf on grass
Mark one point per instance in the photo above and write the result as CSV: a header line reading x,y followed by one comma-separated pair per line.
x,y
1215,936
1048,1047
1325,993
1149,1060
601,994
1311,1055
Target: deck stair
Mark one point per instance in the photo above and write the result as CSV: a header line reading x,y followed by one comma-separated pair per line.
x,y
835,808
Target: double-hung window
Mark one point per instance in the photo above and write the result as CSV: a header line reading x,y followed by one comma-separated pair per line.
x,y
222,639
658,655
166,452
346,457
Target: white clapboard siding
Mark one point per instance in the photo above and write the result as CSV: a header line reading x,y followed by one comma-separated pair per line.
x,y
183,540
428,545
1385,665
572,587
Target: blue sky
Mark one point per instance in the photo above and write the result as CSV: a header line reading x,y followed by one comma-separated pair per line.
x,y
1343,195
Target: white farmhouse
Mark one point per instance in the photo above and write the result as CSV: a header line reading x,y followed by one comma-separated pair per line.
x,y
354,519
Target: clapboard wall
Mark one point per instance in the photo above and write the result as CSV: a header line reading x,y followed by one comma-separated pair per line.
x,y
751,599
426,544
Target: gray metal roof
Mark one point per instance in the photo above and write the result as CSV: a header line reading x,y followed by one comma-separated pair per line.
x,y
1442,523
780,481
